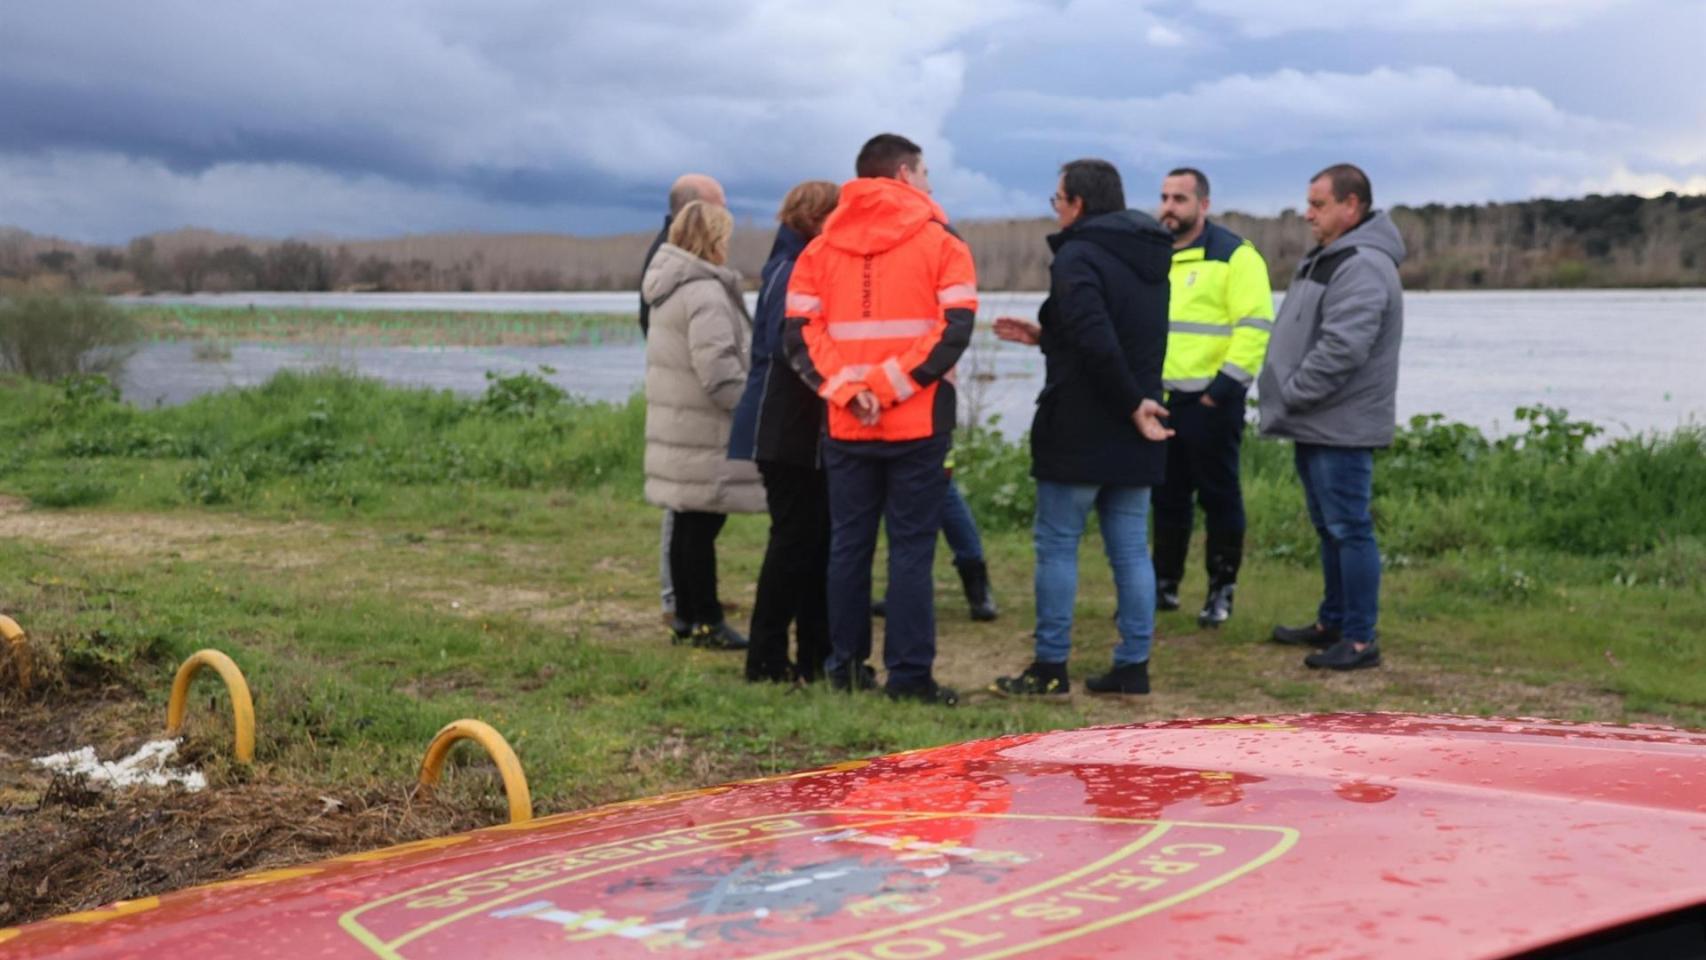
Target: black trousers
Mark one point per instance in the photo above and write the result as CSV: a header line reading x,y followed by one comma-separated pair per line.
x,y
793,583
693,566
1202,464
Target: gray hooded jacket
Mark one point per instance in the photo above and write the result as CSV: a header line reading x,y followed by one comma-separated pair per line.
x,y
1331,376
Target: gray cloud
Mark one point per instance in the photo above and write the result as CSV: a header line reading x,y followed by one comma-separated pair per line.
x,y
408,115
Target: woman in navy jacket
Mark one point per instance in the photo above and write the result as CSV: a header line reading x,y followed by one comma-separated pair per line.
x,y
778,423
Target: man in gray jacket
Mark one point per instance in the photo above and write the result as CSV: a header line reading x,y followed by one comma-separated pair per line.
x,y
1330,385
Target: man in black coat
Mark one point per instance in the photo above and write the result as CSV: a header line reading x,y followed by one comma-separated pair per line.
x,y
687,188
1097,440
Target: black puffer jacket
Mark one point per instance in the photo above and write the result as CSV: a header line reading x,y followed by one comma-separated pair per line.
x,y
1104,337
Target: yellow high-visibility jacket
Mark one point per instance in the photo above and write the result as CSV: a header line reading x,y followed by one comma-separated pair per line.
x,y
1221,312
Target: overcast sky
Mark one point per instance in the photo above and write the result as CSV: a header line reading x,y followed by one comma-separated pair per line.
x,y
381,117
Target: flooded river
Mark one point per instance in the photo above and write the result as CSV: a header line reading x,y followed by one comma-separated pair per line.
x,y
1626,359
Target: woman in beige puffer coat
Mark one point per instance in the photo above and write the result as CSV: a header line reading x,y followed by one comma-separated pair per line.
x,y
697,355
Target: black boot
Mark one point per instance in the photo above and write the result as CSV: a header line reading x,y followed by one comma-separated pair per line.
x,y
1039,679
1131,678
974,576
1225,556
1172,545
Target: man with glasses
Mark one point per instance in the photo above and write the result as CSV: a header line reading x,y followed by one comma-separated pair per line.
x,y
1097,440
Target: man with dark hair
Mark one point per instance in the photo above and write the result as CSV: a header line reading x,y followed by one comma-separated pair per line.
x,y
1219,319
687,188
885,154
880,306
1097,440
1330,385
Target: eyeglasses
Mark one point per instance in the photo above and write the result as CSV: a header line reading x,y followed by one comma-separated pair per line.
x,y
1056,200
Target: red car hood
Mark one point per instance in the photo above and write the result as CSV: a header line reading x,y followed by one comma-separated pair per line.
x,y
1332,836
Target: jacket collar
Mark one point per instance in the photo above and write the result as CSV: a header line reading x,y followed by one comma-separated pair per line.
x,y
789,243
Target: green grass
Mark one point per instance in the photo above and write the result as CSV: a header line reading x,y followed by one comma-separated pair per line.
x,y
382,561
379,328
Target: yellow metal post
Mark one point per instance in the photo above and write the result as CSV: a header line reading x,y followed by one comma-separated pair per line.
x,y
515,781
19,645
242,706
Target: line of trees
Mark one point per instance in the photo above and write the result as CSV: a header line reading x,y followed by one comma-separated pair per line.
x,y
1602,241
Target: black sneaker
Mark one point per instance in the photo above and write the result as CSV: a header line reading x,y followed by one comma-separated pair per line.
x,y
717,636
680,631
1039,680
1217,609
866,679
1166,594
932,693
1345,656
1313,635
1133,678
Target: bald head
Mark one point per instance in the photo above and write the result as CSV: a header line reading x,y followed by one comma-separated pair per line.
x,y
694,186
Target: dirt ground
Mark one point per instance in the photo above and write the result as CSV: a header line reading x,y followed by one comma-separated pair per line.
x,y
66,847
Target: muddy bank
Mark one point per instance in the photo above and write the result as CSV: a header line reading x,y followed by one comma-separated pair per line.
x,y
65,846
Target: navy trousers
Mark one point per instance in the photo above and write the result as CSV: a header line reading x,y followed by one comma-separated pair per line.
x,y
903,484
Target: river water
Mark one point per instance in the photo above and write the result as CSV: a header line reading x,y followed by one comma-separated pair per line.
x,y
1628,360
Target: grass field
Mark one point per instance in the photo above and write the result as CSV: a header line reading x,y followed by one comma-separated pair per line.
x,y
383,561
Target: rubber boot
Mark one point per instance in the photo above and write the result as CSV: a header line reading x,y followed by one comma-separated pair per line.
x,y
1225,555
974,576
1172,545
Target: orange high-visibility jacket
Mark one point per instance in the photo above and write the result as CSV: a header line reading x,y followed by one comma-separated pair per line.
x,y
883,300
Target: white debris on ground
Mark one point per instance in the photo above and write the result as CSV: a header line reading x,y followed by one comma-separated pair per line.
x,y
146,766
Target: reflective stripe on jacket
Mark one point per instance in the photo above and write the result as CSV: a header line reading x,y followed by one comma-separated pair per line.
x,y
883,300
1221,312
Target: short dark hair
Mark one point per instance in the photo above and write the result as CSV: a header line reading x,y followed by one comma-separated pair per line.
x,y
1195,174
884,154
1096,182
1348,180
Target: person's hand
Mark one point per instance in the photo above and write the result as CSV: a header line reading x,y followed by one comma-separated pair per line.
x,y
1148,417
866,407
1208,402
1015,330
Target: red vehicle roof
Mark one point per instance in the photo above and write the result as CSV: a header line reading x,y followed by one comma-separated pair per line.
x,y
1331,836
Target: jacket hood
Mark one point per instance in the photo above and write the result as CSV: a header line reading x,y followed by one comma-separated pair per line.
x,y
1135,237
1378,232
673,267
877,214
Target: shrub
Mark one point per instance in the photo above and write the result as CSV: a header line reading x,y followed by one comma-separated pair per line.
x,y
996,477
521,395
48,337
71,492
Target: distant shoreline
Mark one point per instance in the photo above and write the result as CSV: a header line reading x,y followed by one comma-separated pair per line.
x,y
401,327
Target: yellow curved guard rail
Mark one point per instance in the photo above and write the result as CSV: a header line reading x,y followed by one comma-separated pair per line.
x,y
19,645
515,781
242,705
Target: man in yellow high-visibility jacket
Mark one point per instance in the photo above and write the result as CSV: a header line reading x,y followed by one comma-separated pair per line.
x,y
1221,312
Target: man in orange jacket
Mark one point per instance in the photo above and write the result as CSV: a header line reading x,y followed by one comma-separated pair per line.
x,y
880,307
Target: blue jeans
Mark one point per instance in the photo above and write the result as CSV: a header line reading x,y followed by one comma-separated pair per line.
x,y
958,527
902,483
1124,513
1338,483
